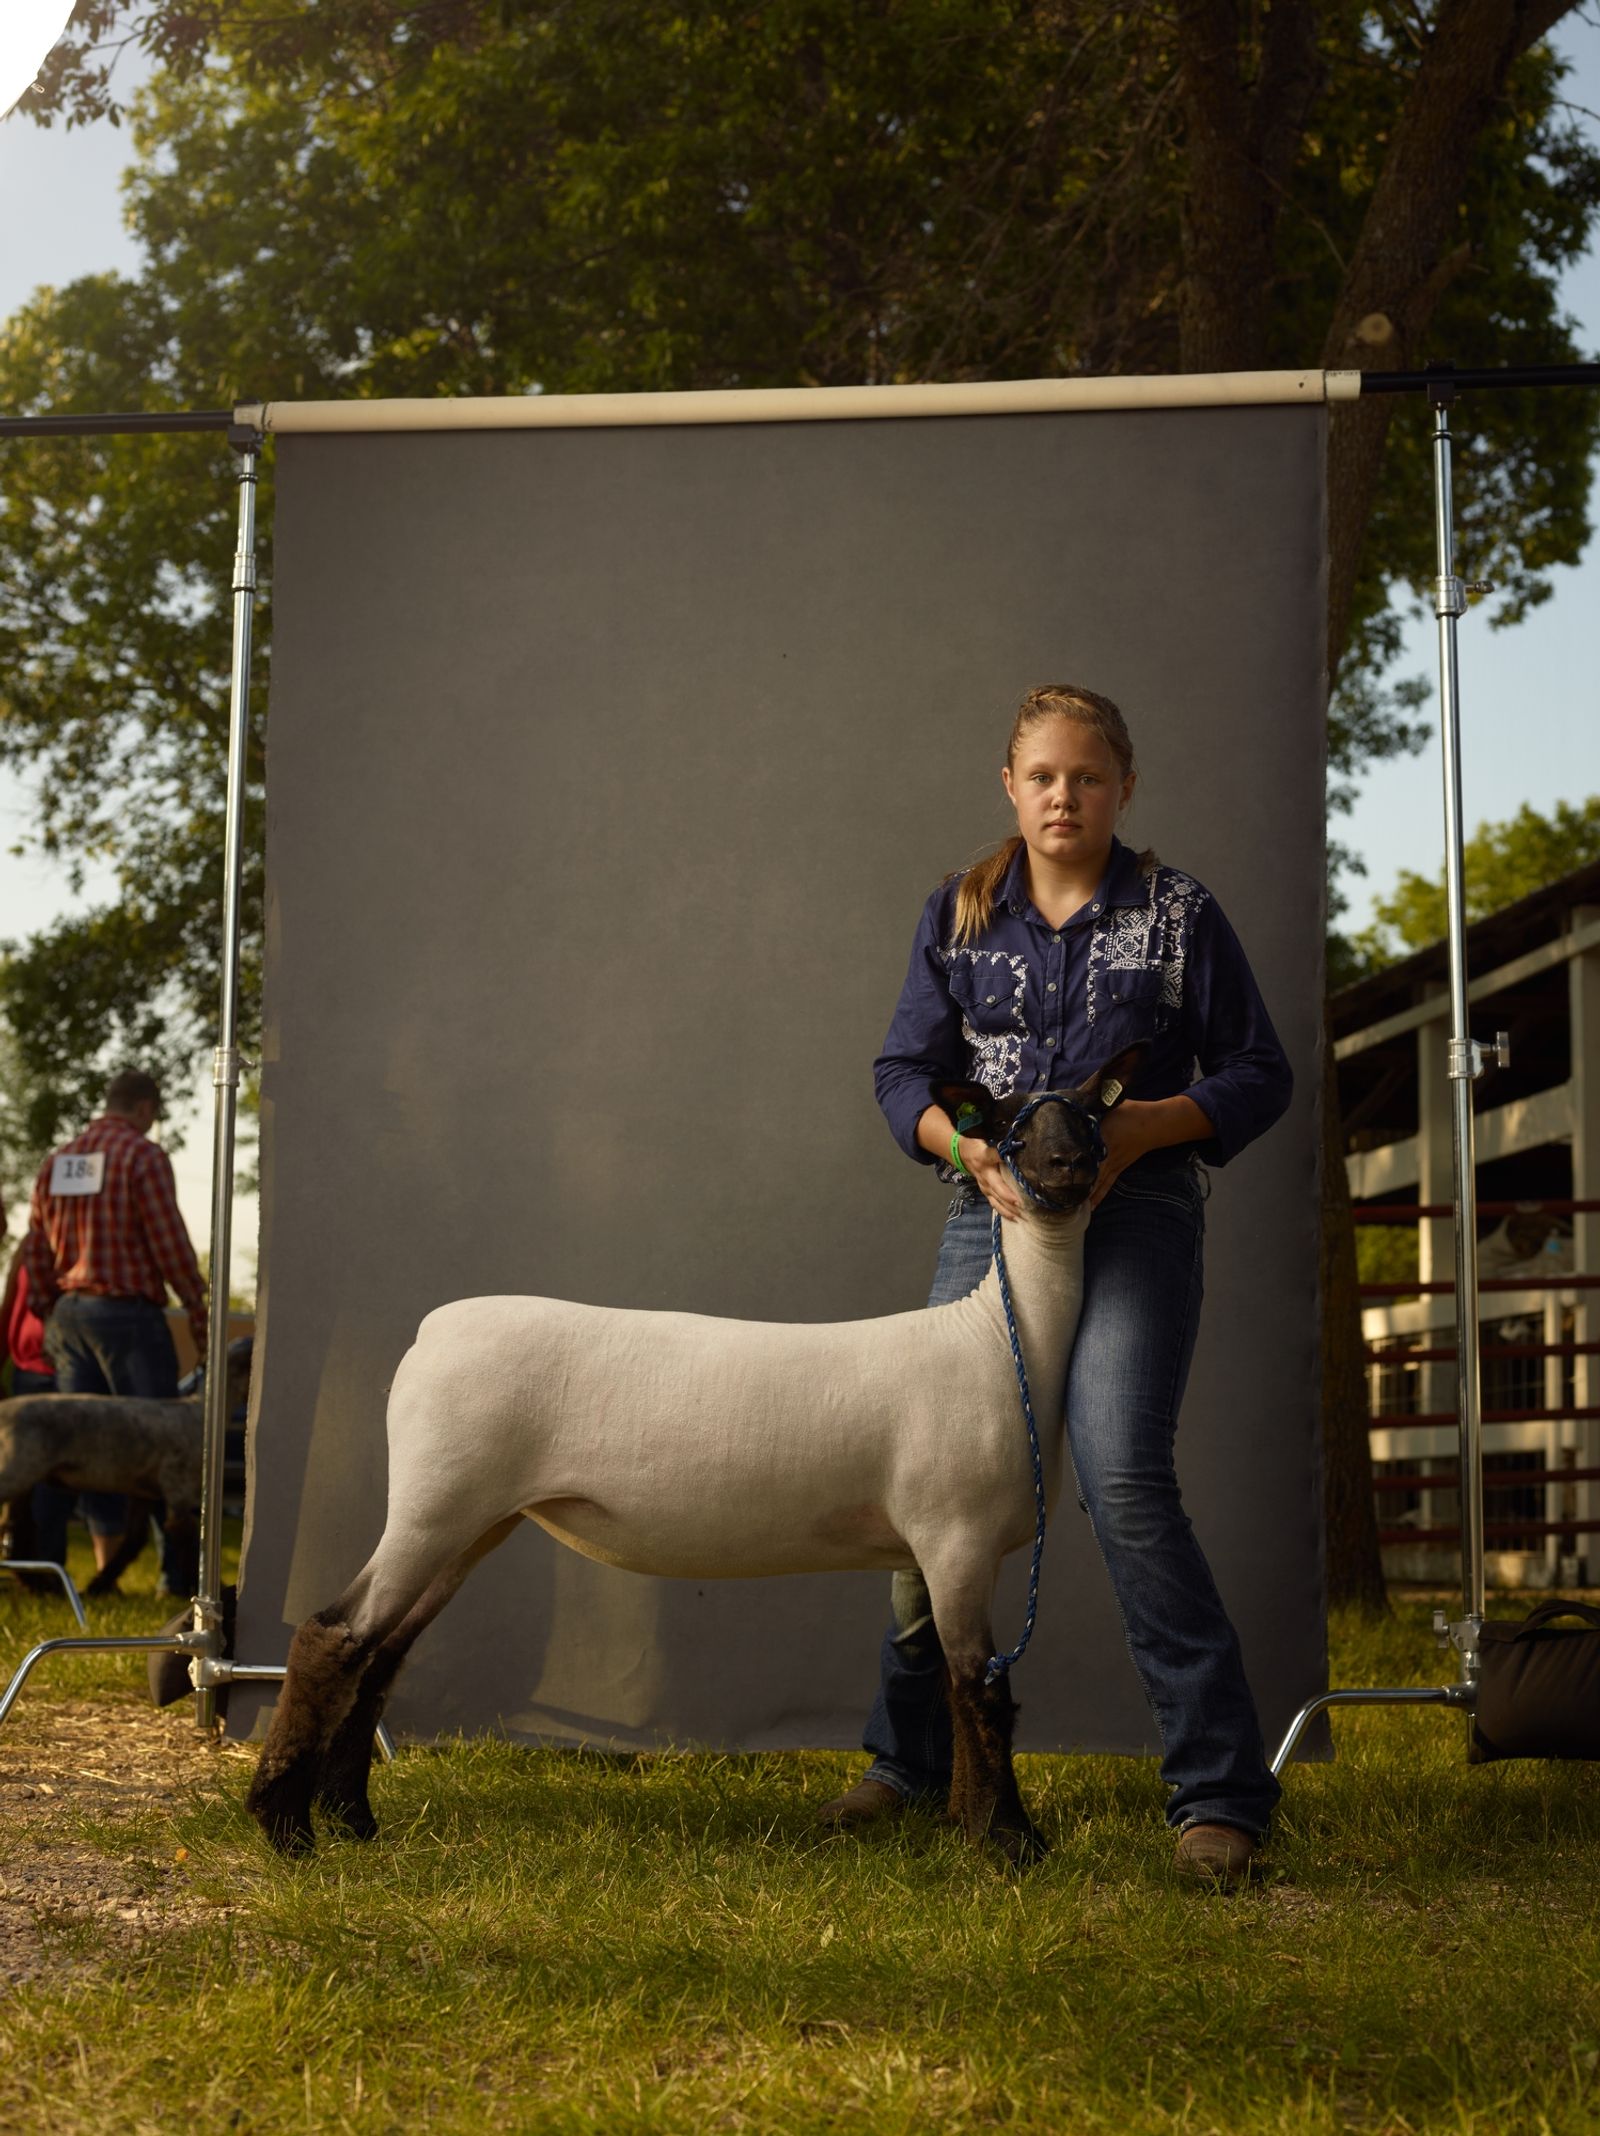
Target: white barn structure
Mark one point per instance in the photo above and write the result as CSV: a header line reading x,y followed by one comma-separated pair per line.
x,y
1535,970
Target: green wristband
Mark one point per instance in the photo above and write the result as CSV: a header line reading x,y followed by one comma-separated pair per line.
x,y
955,1156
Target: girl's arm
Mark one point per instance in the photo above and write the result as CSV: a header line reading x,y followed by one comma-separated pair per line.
x,y
923,1045
1245,1080
989,1175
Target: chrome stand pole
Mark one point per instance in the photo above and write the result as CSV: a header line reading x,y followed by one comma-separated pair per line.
x,y
210,1668
1467,1061
225,1081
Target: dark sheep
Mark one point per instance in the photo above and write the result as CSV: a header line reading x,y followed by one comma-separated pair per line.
x,y
114,1442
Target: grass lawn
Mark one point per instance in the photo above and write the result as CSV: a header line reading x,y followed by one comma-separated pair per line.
x,y
548,1941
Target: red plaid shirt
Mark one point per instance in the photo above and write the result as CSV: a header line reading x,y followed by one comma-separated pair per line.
x,y
127,1241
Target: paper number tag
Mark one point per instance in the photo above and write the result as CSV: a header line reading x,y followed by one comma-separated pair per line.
x,y
78,1172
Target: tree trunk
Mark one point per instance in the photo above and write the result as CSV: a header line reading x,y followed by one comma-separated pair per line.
x,y
1240,144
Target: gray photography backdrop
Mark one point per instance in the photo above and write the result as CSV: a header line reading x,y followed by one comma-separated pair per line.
x,y
608,771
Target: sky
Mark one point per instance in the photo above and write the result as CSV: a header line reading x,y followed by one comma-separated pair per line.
x,y
1530,695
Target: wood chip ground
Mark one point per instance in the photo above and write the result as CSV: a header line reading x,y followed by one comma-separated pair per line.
x,y
64,1760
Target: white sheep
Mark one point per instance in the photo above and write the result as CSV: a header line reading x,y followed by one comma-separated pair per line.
x,y
677,1444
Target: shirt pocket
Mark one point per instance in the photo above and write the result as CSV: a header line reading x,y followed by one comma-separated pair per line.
x,y
1135,1004
986,994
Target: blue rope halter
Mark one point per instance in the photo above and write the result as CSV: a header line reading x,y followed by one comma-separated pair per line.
x,y
1000,1664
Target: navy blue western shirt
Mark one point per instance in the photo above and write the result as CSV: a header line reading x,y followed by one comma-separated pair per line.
x,y
1149,960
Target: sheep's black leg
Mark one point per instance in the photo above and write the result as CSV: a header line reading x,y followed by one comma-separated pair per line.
x,y
326,1662
960,1764
19,1539
342,1788
983,1795
985,1798
132,1543
183,1548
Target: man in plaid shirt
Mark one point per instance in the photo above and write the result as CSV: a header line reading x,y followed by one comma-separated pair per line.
x,y
105,1242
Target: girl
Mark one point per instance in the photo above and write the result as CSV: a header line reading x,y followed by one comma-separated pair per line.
x,y
1029,972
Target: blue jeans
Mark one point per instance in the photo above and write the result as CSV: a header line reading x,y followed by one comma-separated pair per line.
x,y
102,1346
1143,1255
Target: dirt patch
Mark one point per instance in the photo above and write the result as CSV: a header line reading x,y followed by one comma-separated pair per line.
x,y
112,1761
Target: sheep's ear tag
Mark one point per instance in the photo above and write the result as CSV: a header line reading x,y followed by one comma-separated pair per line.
x,y
967,1118
1110,1091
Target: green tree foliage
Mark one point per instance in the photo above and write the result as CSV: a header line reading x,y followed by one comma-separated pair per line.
x,y
342,197
1501,863
1387,1253
21,1151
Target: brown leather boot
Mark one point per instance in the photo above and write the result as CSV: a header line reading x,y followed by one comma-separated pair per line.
x,y
1217,1854
868,1802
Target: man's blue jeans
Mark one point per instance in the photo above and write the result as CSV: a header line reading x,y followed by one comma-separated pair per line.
x,y
102,1346
1143,1254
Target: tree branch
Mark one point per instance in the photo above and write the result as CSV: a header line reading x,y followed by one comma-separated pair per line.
x,y
1410,247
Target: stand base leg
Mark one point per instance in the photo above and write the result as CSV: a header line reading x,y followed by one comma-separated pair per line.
x,y
35,1655
58,1572
236,1672
1460,1696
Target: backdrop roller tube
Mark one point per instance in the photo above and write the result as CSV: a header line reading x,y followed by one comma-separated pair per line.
x,y
811,404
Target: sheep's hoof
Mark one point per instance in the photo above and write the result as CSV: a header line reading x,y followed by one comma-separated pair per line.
x,y
354,1819
282,1808
1024,1846
288,1836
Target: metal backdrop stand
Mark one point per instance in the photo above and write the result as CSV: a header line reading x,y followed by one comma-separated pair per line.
x,y
207,1628
246,426
1467,1060
209,1668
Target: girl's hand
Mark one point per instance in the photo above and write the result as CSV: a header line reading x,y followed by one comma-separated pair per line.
x,y
989,1175
1135,1126
1124,1131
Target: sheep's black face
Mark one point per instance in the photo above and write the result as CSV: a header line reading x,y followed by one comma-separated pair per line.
x,y
1051,1139
1057,1151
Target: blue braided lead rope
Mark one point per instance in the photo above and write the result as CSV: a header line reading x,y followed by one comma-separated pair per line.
x,y
1000,1664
